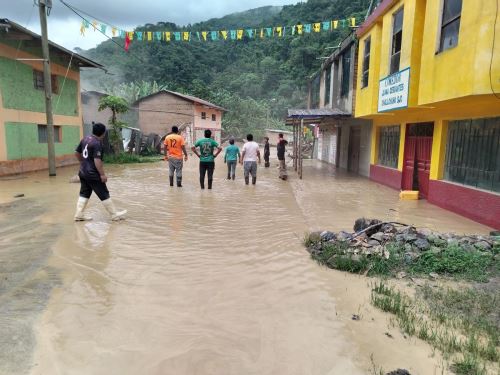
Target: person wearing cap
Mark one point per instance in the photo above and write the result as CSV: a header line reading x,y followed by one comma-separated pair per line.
x,y
92,176
231,157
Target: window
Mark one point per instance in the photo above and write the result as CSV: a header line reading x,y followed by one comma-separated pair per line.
x,y
397,38
473,153
42,134
366,63
214,117
39,84
315,92
450,24
328,79
203,115
388,146
346,73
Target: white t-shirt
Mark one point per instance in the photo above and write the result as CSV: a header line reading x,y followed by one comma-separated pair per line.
x,y
250,149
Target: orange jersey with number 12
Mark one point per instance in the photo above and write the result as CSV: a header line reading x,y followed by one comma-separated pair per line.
x,y
174,143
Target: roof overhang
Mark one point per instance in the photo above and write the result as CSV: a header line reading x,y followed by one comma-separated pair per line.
x,y
14,31
378,12
314,116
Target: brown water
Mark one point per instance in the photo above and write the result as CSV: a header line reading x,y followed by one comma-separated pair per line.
x,y
197,282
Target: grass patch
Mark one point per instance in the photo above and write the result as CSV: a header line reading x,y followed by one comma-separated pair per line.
x,y
463,324
125,158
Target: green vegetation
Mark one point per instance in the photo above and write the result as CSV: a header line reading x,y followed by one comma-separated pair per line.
x,y
117,105
125,158
255,79
452,261
463,324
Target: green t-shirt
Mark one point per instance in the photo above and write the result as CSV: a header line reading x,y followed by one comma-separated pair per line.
x,y
232,152
206,146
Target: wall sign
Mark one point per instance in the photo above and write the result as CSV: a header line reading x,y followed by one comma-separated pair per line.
x,y
393,91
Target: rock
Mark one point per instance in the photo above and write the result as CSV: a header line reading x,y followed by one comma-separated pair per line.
x,y
388,228
327,236
495,233
344,236
314,237
401,275
435,250
422,244
434,275
410,237
378,250
373,243
355,317
399,372
19,195
425,232
379,236
389,335
363,223
483,245
356,257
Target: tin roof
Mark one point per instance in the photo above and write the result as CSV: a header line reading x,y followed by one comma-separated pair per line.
x,y
14,31
190,98
318,112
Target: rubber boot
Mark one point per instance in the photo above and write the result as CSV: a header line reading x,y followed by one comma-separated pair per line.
x,y
247,180
179,181
80,207
110,207
234,177
171,179
254,180
210,184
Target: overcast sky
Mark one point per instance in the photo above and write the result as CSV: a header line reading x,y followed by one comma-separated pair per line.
x,y
64,26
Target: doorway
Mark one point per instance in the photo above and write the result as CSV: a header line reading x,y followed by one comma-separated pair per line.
x,y
417,157
353,151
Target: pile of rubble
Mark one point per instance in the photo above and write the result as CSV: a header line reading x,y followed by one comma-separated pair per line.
x,y
371,237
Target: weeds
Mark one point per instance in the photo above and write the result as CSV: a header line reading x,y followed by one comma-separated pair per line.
x,y
461,323
125,158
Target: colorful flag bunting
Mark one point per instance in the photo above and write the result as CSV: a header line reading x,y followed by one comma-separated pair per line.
x,y
326,26
299,29
224,34
113,31
233,34
185,36
269,31
177,35
214,35
139,35
279,31
127,42
250,33
307,28
317,27
204,35
239,34
168,36
82,29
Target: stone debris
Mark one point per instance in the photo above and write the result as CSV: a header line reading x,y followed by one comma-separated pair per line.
x,y
20,195
399,372
371,237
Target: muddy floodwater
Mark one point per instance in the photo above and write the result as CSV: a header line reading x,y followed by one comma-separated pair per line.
x,y
196,282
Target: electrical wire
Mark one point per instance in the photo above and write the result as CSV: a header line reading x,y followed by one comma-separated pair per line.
x,y
493,51
110,38
64,82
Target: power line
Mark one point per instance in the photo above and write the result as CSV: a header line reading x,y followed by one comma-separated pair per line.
x,y
95,28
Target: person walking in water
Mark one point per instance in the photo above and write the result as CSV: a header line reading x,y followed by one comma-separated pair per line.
x,y
174,148
207,164
231,157
92,176
267,152
250,154
281,148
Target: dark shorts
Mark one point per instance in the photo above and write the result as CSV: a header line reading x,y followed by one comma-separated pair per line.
x,y
88,186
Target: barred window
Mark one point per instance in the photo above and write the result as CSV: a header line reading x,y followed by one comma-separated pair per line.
x,y
42,134
450,24
39,83
473,153
388,146
397,40
214,117
203,115
366,63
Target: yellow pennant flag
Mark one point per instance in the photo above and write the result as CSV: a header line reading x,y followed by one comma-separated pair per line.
x,y
335,24
204,35
149,36
224,34
94,25
353,22
279,30
185,36
299,29
168,36
239,34
113,31
131,35
262,33
82,29
317,27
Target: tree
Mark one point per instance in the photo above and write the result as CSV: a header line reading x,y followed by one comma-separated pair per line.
x,y
117,105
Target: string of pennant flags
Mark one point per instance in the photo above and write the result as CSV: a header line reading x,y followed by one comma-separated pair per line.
x,y
205,36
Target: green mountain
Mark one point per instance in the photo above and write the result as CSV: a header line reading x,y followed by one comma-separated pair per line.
x,y
256,79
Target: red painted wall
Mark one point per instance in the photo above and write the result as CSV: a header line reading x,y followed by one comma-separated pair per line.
x,y
475,204
386,176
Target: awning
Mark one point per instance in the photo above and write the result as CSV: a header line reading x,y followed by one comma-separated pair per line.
x,y
314,116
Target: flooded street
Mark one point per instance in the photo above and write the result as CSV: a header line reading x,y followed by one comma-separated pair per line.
x,y
196,282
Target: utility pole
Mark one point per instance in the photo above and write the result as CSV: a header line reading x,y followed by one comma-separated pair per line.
x,y
43,5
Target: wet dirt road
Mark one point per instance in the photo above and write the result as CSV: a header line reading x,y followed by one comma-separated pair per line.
x,y
195,282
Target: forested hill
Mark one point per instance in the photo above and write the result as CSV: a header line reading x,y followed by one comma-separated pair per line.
x,y
256,79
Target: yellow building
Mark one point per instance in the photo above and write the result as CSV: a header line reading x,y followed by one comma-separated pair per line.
x,y
429,78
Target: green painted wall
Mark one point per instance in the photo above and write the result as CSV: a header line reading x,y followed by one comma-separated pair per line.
x,y
18,91
22,141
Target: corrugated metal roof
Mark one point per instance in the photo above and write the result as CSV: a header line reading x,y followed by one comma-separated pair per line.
x,y
319,112
82,61
186,97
